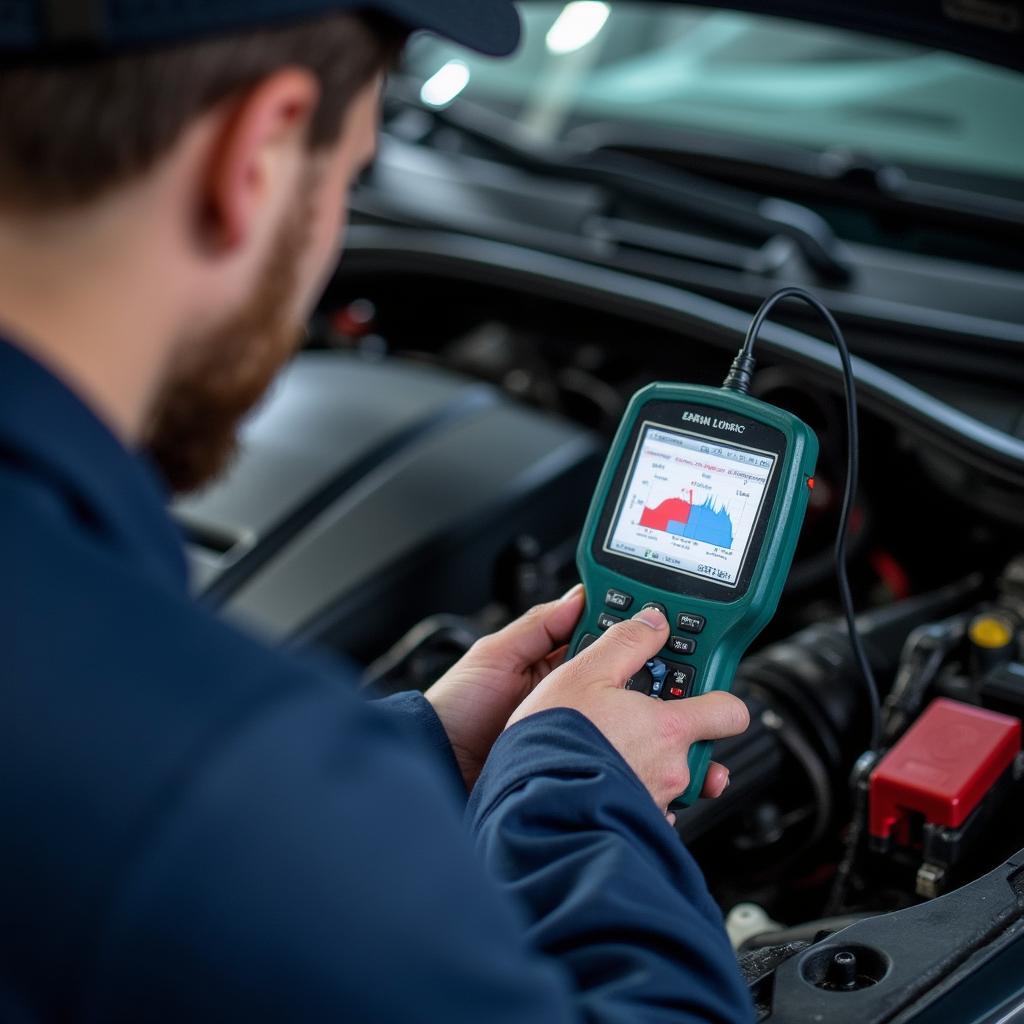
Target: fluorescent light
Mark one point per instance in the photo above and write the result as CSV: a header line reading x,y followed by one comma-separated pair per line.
x,y
441,88
578,24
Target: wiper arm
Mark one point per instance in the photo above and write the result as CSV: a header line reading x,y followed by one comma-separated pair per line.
x,y
763,217
853,173
637,177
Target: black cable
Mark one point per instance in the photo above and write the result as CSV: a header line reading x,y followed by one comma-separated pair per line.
x,y
739,380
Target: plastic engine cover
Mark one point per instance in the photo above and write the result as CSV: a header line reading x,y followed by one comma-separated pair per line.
x,y
370,495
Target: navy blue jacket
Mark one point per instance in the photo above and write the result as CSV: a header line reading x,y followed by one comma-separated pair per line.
x,y
197,827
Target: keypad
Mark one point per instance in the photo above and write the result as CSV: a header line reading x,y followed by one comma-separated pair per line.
x,y
663,679
666,680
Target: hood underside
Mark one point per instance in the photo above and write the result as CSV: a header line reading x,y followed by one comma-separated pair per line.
x,y
987,30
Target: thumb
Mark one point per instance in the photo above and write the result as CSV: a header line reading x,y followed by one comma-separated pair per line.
x,y
533,636
624,648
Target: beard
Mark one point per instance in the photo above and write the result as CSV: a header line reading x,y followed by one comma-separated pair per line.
x,y
193,435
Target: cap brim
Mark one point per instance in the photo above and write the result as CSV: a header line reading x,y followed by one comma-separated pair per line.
x,y
488,26
491,27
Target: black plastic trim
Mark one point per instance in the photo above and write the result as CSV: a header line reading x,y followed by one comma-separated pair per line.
x,y
374,248
468,402
929,949
576,460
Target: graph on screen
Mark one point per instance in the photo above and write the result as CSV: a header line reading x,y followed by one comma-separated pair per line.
x,y
691,503
684,518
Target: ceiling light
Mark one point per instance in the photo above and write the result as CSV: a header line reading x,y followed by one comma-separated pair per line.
x,y
578,24
442,87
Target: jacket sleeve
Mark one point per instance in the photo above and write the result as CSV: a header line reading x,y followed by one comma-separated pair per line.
x,y
313,866
414,714
610,891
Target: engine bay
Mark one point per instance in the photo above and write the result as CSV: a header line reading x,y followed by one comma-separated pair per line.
x,y
420,477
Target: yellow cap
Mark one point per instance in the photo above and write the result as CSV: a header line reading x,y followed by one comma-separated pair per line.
x,y
990,632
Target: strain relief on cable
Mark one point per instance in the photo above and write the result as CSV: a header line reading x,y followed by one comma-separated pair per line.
x,y
740,374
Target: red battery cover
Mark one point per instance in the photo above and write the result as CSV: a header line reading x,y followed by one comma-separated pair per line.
x,y
941,768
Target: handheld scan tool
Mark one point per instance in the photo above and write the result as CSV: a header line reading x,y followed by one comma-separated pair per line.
x,y
698,511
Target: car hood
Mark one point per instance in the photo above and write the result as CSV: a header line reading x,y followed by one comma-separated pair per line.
x,y
987,30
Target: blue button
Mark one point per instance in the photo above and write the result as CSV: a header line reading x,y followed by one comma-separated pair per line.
x,y
658,670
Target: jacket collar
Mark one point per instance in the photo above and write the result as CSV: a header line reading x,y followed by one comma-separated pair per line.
x,y
50,433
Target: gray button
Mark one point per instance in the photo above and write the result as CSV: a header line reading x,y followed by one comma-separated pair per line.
x,y
690,623
682,645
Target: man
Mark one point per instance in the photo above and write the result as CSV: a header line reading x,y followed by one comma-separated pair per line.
x,y
197,827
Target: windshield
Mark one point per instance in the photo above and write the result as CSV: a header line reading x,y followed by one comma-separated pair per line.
x,y
739,75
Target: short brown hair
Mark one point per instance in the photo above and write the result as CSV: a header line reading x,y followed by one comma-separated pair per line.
x,y
69,133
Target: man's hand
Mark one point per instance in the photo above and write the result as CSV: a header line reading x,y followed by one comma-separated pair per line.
x,y
500,679
476,696
653,736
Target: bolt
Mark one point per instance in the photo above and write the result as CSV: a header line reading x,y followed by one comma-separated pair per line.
x,y
842,971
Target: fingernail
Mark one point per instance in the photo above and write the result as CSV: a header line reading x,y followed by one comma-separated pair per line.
x,y
572,592
651,617
728,780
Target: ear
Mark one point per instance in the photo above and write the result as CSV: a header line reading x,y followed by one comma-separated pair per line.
x,y
254,154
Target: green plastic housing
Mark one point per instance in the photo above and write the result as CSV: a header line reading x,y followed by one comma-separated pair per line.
x,y
731,625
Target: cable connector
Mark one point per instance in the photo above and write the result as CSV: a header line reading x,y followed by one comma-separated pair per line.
x,y
740,373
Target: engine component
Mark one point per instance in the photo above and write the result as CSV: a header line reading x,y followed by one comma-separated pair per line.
x,y
941,658
805,932
934,791
992,636
904,961
923,657
747,920
997,646
807,723
1003,689
391,486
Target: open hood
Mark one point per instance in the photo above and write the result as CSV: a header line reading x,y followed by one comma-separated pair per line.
x,y
988,30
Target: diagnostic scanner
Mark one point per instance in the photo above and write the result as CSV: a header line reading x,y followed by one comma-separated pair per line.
x,y
697,511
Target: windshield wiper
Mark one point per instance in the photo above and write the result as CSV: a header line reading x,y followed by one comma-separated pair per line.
x,y
853,173
627,176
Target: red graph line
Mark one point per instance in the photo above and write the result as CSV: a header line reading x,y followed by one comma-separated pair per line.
x,y
670,509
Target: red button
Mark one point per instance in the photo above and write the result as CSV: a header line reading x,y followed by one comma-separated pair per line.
x,y
810,483
676,692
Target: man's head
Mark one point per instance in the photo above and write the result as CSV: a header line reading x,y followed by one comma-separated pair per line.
x,y
239,151
262,134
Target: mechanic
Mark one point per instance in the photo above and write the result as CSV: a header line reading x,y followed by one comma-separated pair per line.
x,y
198,827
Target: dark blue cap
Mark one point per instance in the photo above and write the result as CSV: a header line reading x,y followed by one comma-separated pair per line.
x,y
50,28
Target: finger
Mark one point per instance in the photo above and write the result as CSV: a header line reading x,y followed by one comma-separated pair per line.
x,y
533,636
715,781
713,716
624,648
555,659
